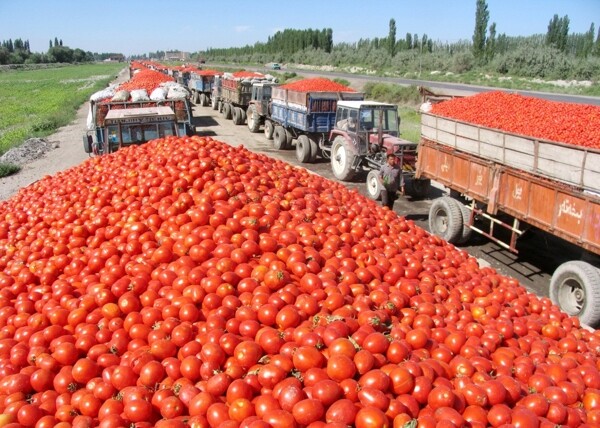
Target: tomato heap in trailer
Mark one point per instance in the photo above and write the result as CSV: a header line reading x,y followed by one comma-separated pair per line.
x,y
186,282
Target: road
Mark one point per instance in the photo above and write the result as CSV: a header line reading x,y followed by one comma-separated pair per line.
x,y
360,80
539,254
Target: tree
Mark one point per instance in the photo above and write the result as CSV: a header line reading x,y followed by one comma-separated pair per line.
x,y
597,44
490,44
482,16
409,44
55,41
50,47
392,38
558,32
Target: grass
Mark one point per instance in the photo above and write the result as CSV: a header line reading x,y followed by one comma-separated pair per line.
x,y
35,103
7,169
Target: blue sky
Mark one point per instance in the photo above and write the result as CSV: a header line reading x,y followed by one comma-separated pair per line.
x,y
142,26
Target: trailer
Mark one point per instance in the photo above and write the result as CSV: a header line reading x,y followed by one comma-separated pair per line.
x,y
118,118
200,84
233,92
119,124
307,114
512,182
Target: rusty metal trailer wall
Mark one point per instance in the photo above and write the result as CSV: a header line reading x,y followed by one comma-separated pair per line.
x,y
550,205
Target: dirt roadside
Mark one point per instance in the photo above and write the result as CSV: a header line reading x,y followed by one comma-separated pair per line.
x,y
66,151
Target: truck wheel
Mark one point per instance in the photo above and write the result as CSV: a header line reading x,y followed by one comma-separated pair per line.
x,y
373,185
416,188
314,150
227,111
279,138
269,130
253,120
236,114
575,287
195,97
466,230
203,100
342,159
214,103
303,149
445,219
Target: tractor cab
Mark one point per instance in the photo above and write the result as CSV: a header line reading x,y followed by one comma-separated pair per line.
x,y
370,125
261,96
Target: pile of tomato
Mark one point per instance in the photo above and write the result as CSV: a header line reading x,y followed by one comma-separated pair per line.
x,y
146,79
569,123
317,84
186,282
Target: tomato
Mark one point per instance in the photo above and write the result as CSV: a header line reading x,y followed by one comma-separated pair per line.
x,y
369,417
308,411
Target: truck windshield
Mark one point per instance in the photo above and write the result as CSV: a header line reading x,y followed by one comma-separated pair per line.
x,y
370,118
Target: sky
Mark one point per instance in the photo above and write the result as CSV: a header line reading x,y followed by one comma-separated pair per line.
x,y
135,27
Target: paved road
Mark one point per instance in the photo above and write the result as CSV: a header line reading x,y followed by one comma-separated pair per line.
x,y
538,254
461,87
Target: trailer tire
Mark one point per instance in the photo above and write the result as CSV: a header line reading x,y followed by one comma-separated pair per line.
x,y
269,130
203,100
195,97
314,150
342,159
575,287
227,111
445,219
238,115
303,149
279,138
466,233
373,185
243,116
214,103
288,139
418,188
253,120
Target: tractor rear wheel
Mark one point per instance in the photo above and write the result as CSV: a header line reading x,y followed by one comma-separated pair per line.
x,y
342,159
253,121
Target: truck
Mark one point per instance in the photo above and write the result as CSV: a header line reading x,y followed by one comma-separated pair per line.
x,y
233,92
114,122
200,84
508,182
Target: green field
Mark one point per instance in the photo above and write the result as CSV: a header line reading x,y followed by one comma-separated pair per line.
x,y
34,103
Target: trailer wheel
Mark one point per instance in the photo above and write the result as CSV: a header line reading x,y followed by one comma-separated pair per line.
x,y
575,287
237,115
269,130
373,185
288,140
227,111
279,138
342,159
195,97
417,188
203,100
445,219
466,232
303,149
243,116
314,150
253,121
214,103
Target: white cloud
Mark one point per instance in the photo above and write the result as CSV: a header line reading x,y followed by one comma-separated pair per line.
x,y
241,28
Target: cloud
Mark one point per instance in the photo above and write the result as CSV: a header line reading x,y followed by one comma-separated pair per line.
x,y
241,28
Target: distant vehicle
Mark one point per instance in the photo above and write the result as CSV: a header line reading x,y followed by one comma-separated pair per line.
x,y
276,66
